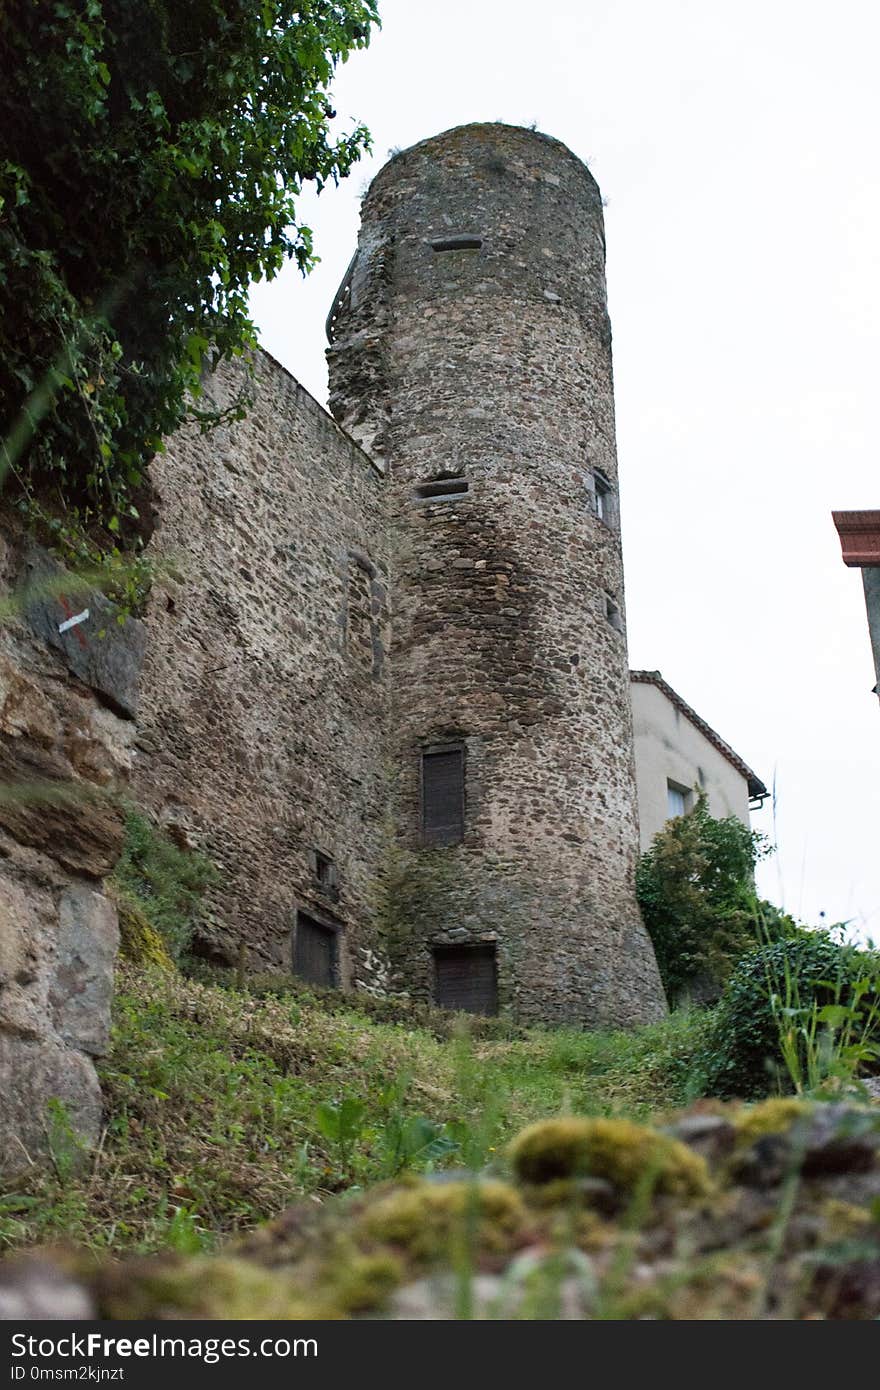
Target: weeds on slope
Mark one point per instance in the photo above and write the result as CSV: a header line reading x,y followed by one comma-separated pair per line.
x,y
224,1106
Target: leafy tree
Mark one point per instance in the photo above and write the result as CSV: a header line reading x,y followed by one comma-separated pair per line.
x,y
151,158
696,889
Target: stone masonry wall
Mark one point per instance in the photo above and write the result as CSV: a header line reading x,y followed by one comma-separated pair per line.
x,y
264,709
491,362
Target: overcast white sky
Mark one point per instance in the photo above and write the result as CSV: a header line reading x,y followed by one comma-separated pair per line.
x,y
736,145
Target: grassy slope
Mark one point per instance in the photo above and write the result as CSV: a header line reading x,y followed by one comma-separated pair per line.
x,y
213,1097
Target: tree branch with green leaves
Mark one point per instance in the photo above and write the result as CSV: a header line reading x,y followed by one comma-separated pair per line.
x,y
151,161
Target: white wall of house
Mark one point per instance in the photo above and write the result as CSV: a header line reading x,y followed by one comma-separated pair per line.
x,y
673,757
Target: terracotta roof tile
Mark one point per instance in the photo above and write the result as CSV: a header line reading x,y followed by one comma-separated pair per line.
x,y
756,786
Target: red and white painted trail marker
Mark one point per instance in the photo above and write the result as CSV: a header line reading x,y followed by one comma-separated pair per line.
x,y
72,620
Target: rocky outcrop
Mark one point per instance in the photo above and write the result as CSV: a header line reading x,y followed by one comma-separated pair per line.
x,y
66,737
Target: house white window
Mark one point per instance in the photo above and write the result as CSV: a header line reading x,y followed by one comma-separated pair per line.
x,y
677,800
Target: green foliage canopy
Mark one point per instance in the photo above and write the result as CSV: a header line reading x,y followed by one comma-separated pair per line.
x,y
150,163
696,889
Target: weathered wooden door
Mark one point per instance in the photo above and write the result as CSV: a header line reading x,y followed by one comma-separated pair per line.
x,y
314,952
466,978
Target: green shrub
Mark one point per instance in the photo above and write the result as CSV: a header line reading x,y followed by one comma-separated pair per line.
x,y
793,1014
696,889
165,883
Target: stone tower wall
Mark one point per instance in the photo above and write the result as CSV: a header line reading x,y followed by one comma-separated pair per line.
x,y
264,695
494,364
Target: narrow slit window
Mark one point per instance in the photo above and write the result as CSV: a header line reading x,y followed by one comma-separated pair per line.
x,y
466,978
443,796
612,613
603,497
442,490
359,617
457,243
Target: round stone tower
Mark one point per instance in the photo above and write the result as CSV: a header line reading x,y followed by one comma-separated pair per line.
x,y
471,355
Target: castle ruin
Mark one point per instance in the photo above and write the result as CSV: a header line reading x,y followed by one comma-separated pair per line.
x,y
390,693
384,675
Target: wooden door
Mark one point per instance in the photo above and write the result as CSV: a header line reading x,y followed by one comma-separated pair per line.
x,y
314,952
466,978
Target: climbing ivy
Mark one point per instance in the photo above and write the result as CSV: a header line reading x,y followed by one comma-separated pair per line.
x,y
151,160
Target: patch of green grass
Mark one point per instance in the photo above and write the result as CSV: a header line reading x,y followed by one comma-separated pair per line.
x,y
635,1074
225,1106
164,883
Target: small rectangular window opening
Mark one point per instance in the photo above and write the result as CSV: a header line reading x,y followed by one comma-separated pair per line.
x,y
324,870
443,796
678,800
457,243
612,613
442,490
603,494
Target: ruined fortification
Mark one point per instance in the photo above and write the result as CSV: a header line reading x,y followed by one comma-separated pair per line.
x,y
389,689
385,678
472,356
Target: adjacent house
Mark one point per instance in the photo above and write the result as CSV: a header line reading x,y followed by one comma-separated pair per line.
x,y
859,534
676,753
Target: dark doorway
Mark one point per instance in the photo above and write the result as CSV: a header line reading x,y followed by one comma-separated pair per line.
x,y
465,977
315,952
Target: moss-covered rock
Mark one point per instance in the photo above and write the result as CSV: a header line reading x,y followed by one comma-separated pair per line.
x,y
623,1153
845,1220
202,1286
572,1194
139,941
720,1287
429,1219
356,1283
774,1116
